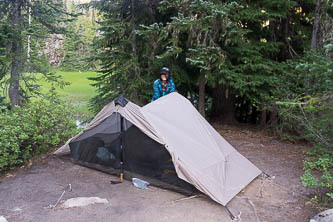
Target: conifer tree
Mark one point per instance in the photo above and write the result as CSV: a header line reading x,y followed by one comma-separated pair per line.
x,y
230,54
127,66
47,16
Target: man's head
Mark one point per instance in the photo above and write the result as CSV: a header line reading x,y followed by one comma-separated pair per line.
x,y
164,73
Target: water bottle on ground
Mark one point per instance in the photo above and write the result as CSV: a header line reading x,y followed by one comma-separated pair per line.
x,y
140,183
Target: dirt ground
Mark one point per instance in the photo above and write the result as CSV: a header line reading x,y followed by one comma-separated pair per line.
x,y
26,193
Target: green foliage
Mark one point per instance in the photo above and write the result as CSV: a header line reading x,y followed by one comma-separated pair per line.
x,y
309,75
307,109
237,44
199,33
78,89
128,64
40,64
312,119
77,45
77,93
25,25
252,75
306,80
33,129
5,34
317,122
3,104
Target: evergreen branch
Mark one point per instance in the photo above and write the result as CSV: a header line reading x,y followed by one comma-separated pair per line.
x,y
50,27
4,9
63,12
314,131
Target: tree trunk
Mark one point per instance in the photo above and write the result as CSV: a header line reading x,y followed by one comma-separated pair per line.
x,y
29,36
134,95
65,5
223,108
201,104
134,53
93,16
315,29
17,60
263,118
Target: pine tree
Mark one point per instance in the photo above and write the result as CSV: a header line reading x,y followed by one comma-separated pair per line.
x,y
233,52
126,60
4,48
48,16
78,40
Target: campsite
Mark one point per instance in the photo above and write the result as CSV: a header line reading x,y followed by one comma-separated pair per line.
x,y
33,190
122,131
166,110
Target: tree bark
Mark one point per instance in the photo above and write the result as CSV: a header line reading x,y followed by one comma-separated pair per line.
x,y
315,29
17,60
263,118
223,108
134,53
29,36
201,104
134,95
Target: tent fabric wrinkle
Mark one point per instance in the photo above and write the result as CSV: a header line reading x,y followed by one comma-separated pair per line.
x,y
133,114
200,155
187,122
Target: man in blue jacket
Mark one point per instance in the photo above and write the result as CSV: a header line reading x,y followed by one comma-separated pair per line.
x,y
164,85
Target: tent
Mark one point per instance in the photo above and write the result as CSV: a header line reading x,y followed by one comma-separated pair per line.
x,y
167,140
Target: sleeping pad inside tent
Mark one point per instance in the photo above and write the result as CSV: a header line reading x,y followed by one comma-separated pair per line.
x,y
166,140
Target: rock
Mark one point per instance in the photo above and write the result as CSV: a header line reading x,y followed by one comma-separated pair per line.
x,y
83,201
325,216
54,49
3,219
17,209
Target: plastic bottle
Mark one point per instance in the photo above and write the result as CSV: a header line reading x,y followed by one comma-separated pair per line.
x,y
140,183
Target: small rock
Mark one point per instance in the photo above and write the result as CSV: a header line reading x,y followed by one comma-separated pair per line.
x,y
325,216
3,219
10,175
83,201
16,209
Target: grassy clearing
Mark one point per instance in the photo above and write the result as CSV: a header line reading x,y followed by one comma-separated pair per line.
x,y
78,93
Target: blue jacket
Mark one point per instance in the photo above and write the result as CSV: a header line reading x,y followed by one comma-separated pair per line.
x,y
158,88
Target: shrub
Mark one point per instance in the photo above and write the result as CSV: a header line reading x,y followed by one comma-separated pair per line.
x,y
3,104
306,107
312,118
318,128
33,129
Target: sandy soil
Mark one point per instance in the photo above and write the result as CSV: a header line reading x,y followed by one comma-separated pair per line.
x,y
26,193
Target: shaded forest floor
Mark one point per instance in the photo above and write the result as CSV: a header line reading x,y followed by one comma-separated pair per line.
x,y
26,193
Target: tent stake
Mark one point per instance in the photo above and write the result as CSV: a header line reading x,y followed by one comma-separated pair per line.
x,y
230,214
267,175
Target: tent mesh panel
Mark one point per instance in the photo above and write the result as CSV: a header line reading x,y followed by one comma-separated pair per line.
x,y
141,155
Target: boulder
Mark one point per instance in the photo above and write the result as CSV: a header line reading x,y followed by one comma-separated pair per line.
x,y
325,216
3,219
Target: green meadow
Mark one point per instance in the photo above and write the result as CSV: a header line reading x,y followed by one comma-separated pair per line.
x,y
78,92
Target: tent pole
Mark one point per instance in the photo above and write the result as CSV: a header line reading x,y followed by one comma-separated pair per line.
x,y
121,149
229,212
